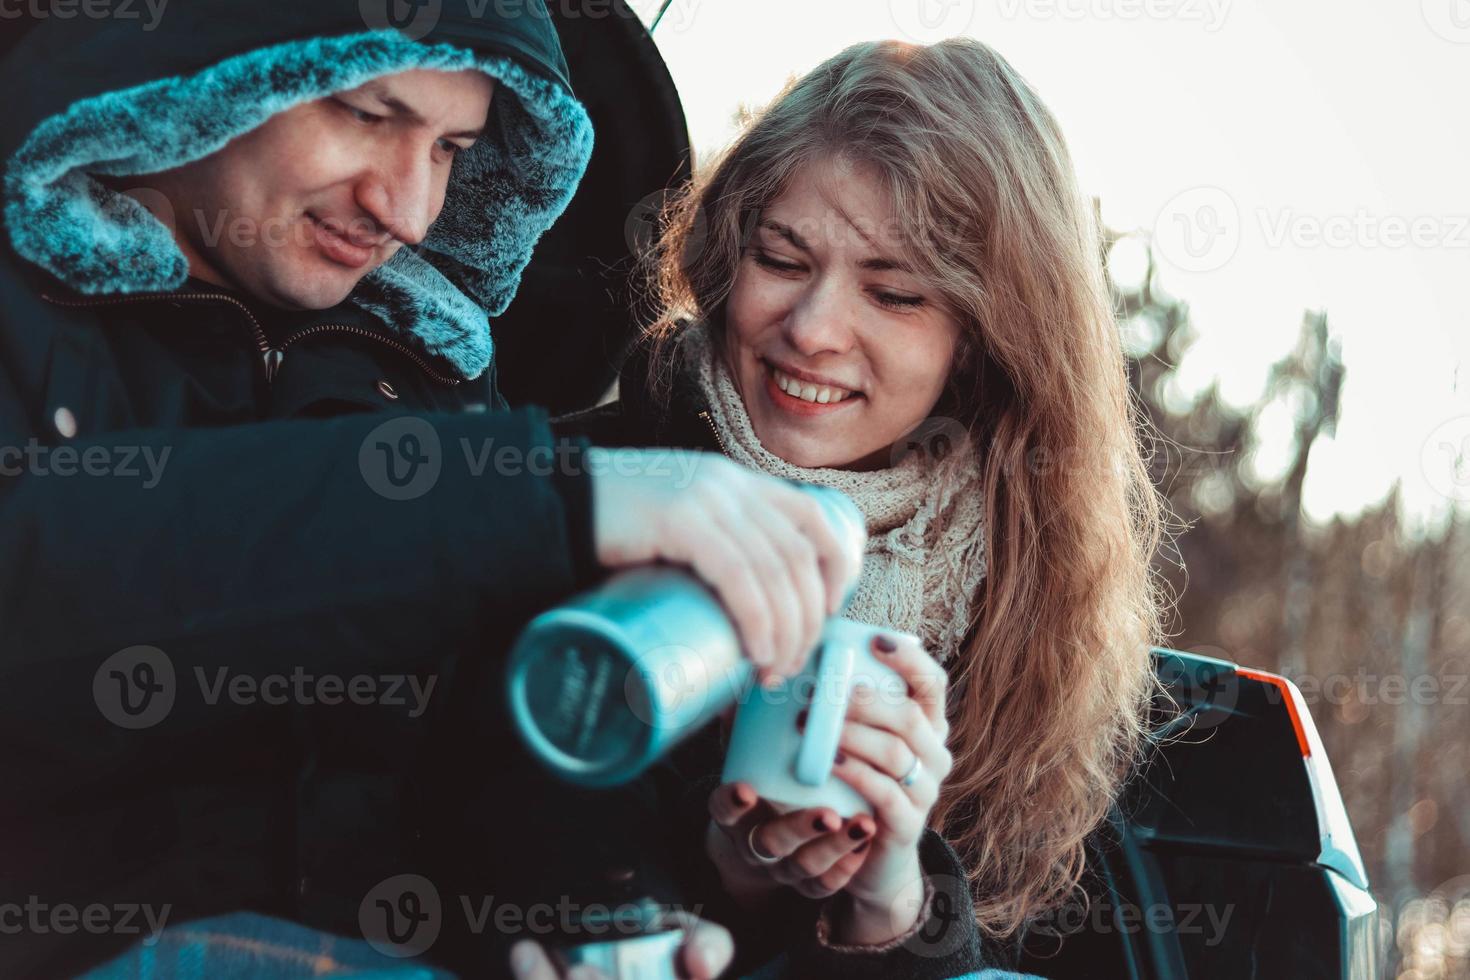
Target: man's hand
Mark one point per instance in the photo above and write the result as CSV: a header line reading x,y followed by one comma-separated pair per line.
x,y
707,951
764,547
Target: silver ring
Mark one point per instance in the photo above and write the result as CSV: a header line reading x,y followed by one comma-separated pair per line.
x,y
907,779
755,852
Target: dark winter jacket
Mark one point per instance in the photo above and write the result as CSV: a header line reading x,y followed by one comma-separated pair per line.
x,y
256,567
949,943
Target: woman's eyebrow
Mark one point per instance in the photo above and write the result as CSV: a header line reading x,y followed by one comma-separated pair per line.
x,y
880,263
875,263
786,232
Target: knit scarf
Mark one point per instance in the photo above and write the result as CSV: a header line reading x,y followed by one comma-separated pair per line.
x,y
925,555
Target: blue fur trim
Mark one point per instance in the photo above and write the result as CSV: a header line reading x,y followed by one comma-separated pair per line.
x,y
503,194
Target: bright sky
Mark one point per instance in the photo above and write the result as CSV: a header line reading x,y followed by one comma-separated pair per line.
x,y
1285,156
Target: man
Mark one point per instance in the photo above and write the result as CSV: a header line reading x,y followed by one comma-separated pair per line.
x,y
243,610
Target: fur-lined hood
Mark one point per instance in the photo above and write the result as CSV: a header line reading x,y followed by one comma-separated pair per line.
x,y
115,97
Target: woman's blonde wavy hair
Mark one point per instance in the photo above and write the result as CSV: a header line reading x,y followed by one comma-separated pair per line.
x,y
1049,695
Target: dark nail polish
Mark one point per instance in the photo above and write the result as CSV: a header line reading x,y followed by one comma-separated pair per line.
x,y
884,643
820,825
801,719
840,758
857,832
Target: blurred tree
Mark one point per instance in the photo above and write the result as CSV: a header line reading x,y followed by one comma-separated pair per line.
x,y
1371,621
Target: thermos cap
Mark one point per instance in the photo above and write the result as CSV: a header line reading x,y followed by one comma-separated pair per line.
x,y
602,685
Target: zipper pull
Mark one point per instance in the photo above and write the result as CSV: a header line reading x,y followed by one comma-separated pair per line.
x,y
709,420
273,358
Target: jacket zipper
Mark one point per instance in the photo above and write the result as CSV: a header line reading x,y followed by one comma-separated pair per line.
x,y
403,349
716,432
271,357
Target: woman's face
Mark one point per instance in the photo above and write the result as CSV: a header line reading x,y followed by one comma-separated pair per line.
x,y
838,351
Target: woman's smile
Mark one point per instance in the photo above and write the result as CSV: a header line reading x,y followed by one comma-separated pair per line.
x,y
802,397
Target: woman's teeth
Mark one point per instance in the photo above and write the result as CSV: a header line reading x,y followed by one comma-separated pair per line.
x,y
808,392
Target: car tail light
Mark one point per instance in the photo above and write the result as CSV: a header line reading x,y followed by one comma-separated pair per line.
x,y
1339,846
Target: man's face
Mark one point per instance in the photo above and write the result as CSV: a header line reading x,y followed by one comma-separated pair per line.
x,y
298,210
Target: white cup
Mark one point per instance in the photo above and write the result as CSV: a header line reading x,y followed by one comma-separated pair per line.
x,y
792,769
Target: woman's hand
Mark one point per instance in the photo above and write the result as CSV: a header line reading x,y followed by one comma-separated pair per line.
x,y
813,850
873,859
881,739
763,546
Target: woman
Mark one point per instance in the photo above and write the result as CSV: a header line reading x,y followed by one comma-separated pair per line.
x,y
891,284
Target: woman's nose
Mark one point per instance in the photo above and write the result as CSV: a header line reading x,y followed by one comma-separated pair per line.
x,y
821,320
